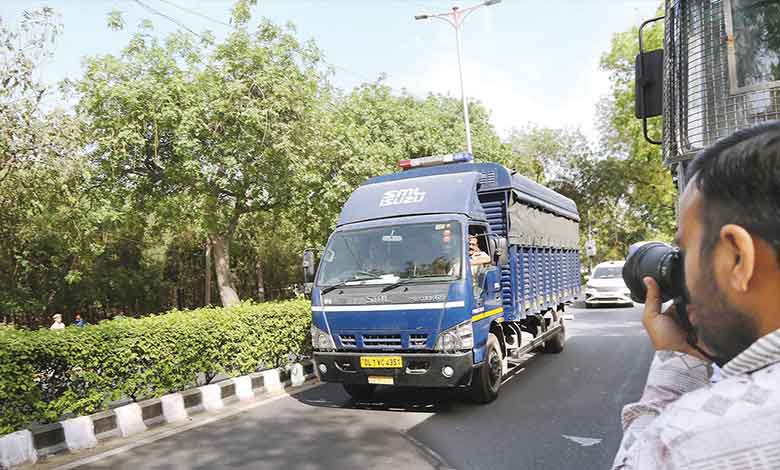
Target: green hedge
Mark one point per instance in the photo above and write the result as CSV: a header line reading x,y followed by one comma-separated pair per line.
x,y
47,374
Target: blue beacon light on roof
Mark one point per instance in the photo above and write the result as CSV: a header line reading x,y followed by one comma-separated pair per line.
x,y
433,160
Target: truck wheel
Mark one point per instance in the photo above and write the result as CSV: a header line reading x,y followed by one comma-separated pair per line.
x,y
556,343
487,378
359,391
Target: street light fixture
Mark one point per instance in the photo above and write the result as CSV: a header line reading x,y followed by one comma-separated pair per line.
x,y
455,19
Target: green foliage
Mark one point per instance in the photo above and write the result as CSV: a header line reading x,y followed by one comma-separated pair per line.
x,y
546,154
115,20
201,133
46,374
366,133
639,194
623,190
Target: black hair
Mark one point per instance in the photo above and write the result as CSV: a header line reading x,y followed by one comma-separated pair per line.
x,y
739,181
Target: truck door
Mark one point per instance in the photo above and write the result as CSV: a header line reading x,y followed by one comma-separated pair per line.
x,y
485,276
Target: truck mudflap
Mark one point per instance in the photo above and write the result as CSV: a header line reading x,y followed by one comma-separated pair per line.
x,y
400,369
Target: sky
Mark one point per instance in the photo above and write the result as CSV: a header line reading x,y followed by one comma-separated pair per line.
x,y
528,61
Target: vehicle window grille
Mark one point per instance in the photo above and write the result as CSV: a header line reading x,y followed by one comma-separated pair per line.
x,y
703,97
418,341
393,341
348,341
488,179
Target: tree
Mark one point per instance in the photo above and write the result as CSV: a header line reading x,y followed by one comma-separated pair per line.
x,y
25,134
546,154
367,132
205,133
44,221
631,193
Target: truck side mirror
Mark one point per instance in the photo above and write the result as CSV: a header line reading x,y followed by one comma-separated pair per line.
x,y
648,85
649,69
308,266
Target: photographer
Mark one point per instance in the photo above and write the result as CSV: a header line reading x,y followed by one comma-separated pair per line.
x,y
729,232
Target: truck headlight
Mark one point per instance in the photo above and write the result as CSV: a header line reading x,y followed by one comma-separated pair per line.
x,y
457,338
321,339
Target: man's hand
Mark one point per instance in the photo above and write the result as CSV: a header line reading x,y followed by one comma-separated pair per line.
x,y
664,331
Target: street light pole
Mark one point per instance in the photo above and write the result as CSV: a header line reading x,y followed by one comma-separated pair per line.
x,y
455,19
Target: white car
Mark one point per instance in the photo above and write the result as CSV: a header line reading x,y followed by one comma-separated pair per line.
x,y
606,285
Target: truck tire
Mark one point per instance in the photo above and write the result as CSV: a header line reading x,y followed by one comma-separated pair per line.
x,y
487,378
556,343
359,391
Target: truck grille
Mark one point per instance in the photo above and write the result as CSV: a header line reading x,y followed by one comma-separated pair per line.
x,y
386,341
391,341
418,341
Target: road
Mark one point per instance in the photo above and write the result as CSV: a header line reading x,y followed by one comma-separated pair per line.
x,y
554,412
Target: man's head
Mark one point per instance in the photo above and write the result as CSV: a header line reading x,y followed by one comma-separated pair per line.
x,y
730,231
78,316
57,317
473,244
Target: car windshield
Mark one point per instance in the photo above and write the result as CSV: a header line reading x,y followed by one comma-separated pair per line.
x,y
389,254
608,272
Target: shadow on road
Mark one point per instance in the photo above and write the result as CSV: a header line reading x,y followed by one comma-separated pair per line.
x,y
399,399
287,438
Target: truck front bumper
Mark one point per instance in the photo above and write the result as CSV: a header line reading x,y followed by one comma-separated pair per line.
x,y
418,369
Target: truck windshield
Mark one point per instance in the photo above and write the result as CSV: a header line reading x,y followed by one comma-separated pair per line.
x,y
389,254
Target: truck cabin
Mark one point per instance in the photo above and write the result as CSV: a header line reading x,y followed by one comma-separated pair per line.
x,y
413,227
437,272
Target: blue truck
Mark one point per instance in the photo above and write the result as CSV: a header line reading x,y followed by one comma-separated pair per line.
x,y
398,300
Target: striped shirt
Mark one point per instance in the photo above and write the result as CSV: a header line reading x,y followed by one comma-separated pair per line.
x,y
684,421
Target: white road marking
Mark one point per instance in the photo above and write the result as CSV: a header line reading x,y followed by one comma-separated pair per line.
x,y
583,441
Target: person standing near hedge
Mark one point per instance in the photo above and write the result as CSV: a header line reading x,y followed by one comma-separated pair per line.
x,y
79,321
57,325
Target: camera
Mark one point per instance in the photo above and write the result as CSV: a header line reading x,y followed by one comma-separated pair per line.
x,y
664,263
658,260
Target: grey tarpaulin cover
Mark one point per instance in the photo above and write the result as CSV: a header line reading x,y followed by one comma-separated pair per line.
x,y
535,227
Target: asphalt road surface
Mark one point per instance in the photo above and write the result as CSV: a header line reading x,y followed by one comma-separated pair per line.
x,y
554,412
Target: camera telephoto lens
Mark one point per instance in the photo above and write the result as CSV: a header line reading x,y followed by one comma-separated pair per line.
x,y
658,260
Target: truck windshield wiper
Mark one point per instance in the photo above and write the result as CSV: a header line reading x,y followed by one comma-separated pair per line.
x,y
369,277
412,280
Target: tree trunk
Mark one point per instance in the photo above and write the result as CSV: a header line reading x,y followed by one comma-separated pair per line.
x,y
173,297
207,296
227,289
259,280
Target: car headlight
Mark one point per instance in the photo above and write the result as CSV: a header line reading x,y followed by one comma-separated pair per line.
x,y
321,339
457,338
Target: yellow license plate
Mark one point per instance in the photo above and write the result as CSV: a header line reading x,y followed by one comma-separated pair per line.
x,y
381,362
380,380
